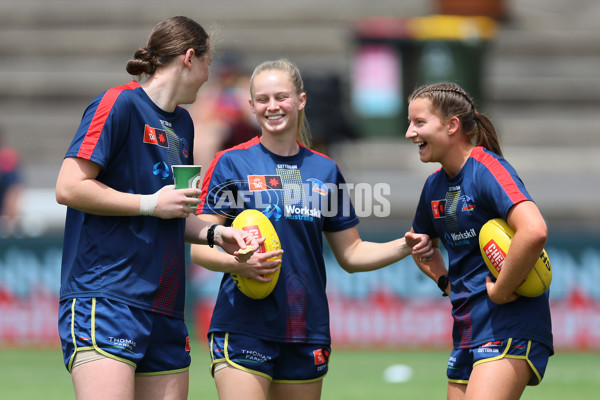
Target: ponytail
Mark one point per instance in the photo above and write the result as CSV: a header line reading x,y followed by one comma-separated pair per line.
x,y
486,134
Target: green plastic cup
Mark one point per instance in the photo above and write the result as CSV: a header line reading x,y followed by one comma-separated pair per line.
x,y
187,176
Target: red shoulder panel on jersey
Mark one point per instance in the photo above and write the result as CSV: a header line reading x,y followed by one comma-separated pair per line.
x,y
500,173
316,152
252,142
95,129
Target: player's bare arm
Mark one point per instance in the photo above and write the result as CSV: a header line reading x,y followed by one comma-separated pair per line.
x,y
356,255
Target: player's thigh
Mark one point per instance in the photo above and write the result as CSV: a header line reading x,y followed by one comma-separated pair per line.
x,y
296,391
163,387
456,391
503,379
235,384
104,379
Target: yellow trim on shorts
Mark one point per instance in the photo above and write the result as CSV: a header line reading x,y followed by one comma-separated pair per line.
x,y
212,341
94,345
98,349
526,358
458,381
501,356
72,358
227,360
75,348
504,355
214,361
231,363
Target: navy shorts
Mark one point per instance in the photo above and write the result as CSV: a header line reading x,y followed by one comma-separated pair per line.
x,y
278,362
462,361
152,343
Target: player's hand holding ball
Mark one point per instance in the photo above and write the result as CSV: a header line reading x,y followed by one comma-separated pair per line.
x,y
494,241
261,267
258,278
237,242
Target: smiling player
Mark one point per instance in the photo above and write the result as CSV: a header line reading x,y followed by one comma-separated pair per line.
x,y
501,341
279,347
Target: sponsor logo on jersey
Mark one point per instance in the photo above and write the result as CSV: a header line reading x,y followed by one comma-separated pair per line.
x,y
318,187
455,239
185,149
264,182
273,210
161,169
286,166
302,213
320,356
463,235
438,208
468,204
155,136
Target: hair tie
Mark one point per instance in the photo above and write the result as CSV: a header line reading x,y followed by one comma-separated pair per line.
x,y
151,53
475,114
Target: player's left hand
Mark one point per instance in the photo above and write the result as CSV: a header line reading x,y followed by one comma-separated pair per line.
x,y
421,245
232,240
497,298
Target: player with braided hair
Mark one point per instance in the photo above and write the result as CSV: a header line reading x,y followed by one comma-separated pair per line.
x,y
453,100
502,341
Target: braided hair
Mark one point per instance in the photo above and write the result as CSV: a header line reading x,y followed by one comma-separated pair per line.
x,y
449,99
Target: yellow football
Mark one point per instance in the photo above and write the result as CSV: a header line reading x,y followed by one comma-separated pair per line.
x,y
494,240
258,225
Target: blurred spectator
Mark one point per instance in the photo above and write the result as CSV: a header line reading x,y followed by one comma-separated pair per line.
x,y
10,188
221,114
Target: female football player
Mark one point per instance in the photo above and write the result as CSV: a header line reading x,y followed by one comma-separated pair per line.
x,y
502,341
279,347
122,289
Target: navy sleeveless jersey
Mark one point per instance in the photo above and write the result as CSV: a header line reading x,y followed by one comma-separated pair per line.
x,y
303,195
138,260
454,210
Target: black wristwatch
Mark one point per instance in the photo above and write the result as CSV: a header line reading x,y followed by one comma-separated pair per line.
x,y
443,283
210,235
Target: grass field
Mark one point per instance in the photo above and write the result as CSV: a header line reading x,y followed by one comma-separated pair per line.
x,y
354,375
